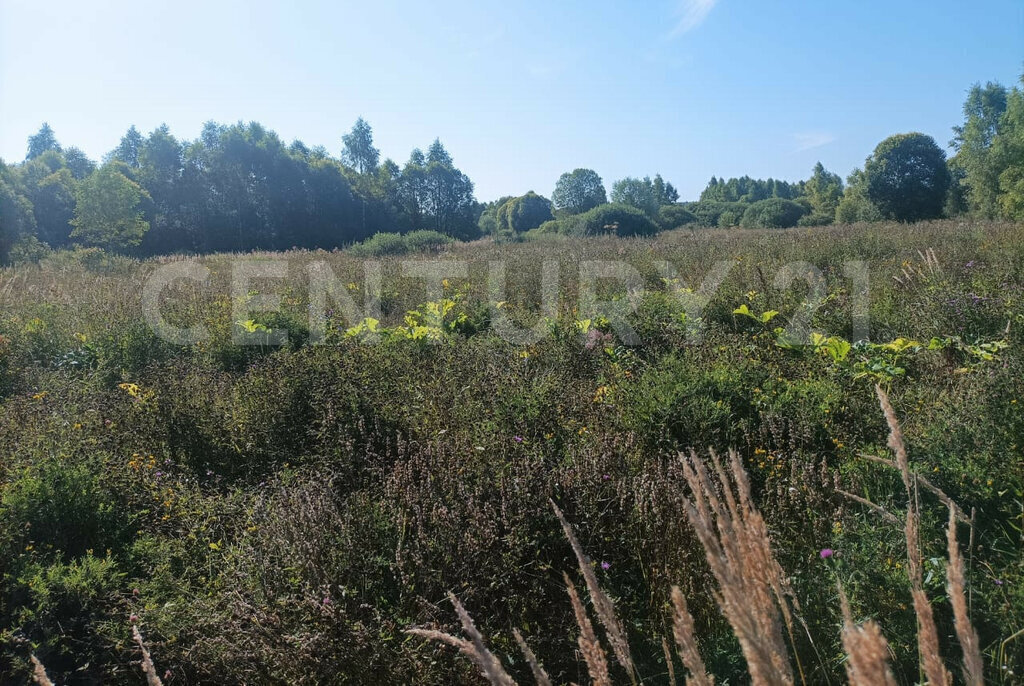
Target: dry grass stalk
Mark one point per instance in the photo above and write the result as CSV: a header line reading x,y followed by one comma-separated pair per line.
x,y
603,605
965,633
867,651
147,662
751,584
39,672
927,634
590,646
475,648
668,662
878,509
686,641
539,675
928,486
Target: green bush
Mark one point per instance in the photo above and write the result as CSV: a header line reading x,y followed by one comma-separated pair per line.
x,y
709,212
620,220
674,216
380,245
773,213
427,241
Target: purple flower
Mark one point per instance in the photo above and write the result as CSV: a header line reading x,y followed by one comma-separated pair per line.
x,y
969,264
826,553
158,474
606,477
517,439
999,582
606,566
327,600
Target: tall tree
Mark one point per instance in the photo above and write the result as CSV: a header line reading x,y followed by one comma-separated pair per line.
x,y
129,150
824,191
578,191
41,142
907,177
977,166
358,151
1008,152
108,213
638,193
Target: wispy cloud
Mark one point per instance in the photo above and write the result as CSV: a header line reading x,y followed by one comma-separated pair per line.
x,y
808,140
692,14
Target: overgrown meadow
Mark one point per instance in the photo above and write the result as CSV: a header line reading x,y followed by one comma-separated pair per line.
x,y
285,513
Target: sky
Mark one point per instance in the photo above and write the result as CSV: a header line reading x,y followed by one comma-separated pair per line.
x,y
518,92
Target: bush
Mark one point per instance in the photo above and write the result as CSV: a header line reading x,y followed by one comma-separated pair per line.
x,y
773,213
379,245
427,241
524,213
709,212
854,208
29,250
674,216
620,220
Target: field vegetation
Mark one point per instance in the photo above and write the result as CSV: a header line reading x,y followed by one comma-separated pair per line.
x,y
286,512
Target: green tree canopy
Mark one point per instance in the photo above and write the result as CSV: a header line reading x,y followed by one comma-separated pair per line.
x,y
1008,154
974,162
359,152
824,191
578,191
41,142
107,212
907,177
524,213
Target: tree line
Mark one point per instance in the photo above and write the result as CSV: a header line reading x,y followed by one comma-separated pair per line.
x,y
240,188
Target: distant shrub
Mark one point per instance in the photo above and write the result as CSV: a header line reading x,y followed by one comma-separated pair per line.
x,y
380,245
674,216
709,212
854,207
524,213
773,213
815,220
91,259
617,219
729,219
29,250
427,241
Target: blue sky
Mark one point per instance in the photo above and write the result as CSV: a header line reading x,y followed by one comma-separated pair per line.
x,y
518,92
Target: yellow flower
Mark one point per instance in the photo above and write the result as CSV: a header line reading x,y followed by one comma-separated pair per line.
x,y
40,395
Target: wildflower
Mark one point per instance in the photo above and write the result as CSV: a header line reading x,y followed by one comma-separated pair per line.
x,y
606,477
826,553
606,566
133,618
999,582
517,439
327,600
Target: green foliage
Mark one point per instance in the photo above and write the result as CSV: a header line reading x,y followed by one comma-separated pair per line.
x,y
359,152
521,214
644,194
380,244
906,178
620,220
773,213
824,191
673,216
1008,151
710,213
983,111
427,241
578,191
383,244
107,211
855,205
